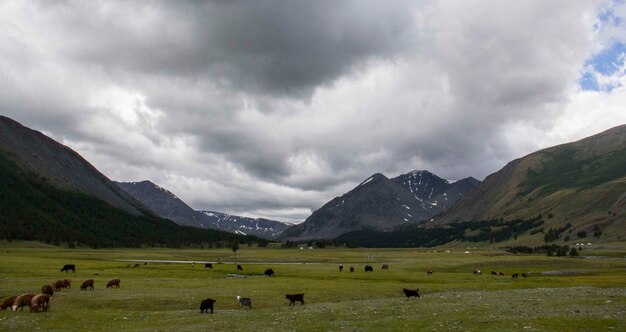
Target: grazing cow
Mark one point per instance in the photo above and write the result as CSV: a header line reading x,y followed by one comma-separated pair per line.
x,y
514,275
47,289
385,267
524,275
351,268
295,297
429,272
340,267
87,284
58,285
40,302
114,282
369,268
69,267
208,266
136,265
206,304
269,272
244,301
22,300
494,273
7,302
67,283
476,272
500,273
239,268
410,292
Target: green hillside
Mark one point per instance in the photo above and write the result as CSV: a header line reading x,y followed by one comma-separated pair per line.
x,y
32,209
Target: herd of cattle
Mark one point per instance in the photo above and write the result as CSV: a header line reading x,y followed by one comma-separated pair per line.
x,y
41,302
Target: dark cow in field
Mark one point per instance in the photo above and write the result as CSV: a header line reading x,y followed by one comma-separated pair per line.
x,y
39,303
494,273
524,275
205,305
293,298
500,273
7,302
239,268
69,267
369,268
136,265
429,272
477,272
87,284
385,267
208,266
340,267
244,301
67,283
351,268
410,292
514,276
114,282
268,272
47,289
21,301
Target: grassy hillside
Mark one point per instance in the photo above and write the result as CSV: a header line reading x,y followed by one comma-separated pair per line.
x,y
581,183
31,209
560,294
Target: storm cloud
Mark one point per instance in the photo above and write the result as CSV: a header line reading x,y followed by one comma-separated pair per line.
x,y
272,108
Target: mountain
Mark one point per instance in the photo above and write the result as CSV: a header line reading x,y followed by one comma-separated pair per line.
x,y
261,227
581,183
59,166
167,205
382,204
50,193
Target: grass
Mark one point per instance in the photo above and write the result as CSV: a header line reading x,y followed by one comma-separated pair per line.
x,y
582,294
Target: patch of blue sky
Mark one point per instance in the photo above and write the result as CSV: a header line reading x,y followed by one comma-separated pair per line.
x,y
608,62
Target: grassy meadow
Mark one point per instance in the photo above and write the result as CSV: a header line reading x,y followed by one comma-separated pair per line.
x,y
565,294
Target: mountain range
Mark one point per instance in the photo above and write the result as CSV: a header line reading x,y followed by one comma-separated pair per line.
x,y
167,205
382,204
48,192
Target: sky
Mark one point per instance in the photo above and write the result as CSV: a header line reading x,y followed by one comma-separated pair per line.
x,y
272,108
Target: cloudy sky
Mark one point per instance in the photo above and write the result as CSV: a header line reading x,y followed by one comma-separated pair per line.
x,y
271,108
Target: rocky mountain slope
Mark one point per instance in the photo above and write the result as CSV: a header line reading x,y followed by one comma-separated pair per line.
x,y
167,205
382,204
50,193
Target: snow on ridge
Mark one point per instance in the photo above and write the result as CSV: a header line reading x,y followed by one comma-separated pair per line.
x,y
366,181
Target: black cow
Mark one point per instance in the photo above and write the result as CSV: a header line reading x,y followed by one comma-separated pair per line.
x,y
351,268
208,266
340,267
239,268
409,292
293,298
206,304
385,267
69,267
369,268
269,272
524,275
514,275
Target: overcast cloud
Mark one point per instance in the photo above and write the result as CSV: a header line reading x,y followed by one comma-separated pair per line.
x,y
272,108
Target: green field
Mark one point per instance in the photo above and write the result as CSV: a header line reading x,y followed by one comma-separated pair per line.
x,y
564,294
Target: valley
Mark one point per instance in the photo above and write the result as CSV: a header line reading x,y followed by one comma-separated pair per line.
x,y
585,293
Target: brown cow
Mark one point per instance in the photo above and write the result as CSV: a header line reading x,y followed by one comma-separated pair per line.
x,y
87,284
21,301
40,302
351,268
7,302
524,275
429,272
385,267
47,289
514,275
293,298
58,285
410,292
67,283
500,273
114,282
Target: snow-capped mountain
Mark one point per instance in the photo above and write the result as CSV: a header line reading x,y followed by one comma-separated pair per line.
x,y
167,205
382,204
